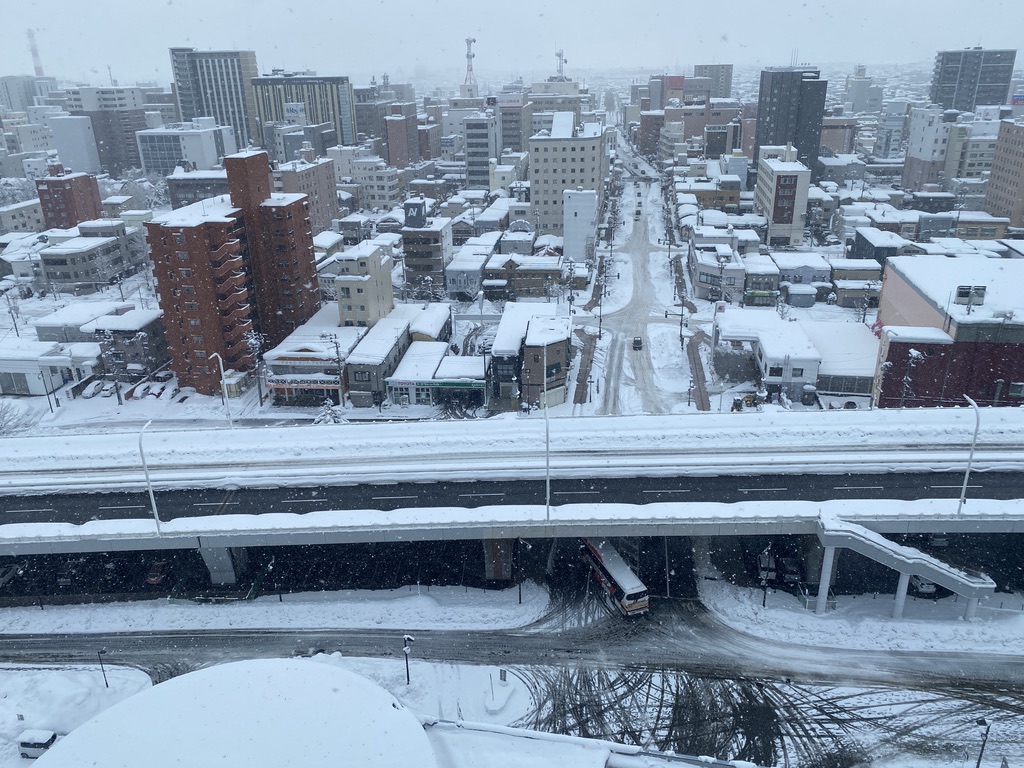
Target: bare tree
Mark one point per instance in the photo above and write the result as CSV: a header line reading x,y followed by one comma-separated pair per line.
x,y
13,419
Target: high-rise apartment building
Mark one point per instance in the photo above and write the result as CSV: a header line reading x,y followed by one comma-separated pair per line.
x,y
482,132
232,264
721,78
1005,193
569,156
68,198
314,178
116,113
790,106
217,84
304,98
964,79
781,194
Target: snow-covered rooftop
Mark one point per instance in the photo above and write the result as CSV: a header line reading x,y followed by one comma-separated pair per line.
x,y
938,278
425,319
132,320
79,313
378,342
214,209
515,319
263,712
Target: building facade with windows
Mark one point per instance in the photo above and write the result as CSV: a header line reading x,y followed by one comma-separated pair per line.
x,y
964,79
569,156
201,142
68,198
217,84
230,265
307,98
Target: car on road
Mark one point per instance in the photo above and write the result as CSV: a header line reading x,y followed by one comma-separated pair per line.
x,y
638,343
921,585
161,573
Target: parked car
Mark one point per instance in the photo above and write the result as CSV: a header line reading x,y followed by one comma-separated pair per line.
x,y
108,389
163,376
921,585
141,390
160,574
638,343
92,390
156,389
32,744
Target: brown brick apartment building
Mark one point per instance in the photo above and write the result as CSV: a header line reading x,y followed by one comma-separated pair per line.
x,y
232,264
67,199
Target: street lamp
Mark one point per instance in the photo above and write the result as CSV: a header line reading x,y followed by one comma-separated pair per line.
x,y
46,389
224,388
103,671
984,741
149,484
333,337
407,640
970,457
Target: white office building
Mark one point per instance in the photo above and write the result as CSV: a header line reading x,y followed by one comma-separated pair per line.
x,y
201,142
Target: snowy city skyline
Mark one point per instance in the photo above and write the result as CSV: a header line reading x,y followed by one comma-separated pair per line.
x,y
425,41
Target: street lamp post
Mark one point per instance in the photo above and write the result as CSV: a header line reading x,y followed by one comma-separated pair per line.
x,y
103,671
970,457
547,444
984,741
333,337
46,389
149,484
407,641
224,388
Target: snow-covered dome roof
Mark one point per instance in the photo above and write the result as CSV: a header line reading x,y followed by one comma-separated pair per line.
x,y
265,712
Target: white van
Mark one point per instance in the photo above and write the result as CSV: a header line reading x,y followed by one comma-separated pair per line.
x,y
35,743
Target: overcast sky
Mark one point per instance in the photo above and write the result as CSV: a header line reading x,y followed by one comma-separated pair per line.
x,y
421,40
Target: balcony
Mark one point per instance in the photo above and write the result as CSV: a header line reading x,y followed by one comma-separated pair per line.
x,y
233,294
231,262
228,280
236,315
235,331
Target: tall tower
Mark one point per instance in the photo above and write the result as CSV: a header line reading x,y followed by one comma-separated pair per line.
x,y
469,89
34,50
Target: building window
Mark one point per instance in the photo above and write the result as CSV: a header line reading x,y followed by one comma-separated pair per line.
x,y
182,255
1017,389
361,376
193,322
179,238
200,354
775,370
191,306
197,339
188,290
798,371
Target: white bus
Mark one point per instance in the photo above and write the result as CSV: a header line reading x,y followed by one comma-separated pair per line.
x,y
626,591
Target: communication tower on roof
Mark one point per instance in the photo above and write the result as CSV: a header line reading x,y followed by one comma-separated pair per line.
x,y
469,87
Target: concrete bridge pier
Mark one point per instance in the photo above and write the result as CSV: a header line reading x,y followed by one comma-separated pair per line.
x,y
825,579
498,559
972,609
901,595
221,564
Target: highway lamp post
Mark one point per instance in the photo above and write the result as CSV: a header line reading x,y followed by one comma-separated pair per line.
x,y
478,345
333,338
46,390
407,641
547,444
224,388
99,655
970,457
984,741
149,484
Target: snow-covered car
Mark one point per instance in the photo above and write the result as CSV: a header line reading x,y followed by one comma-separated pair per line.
x,y
156,389
163,376
92,390
108,389
141,390
922,586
